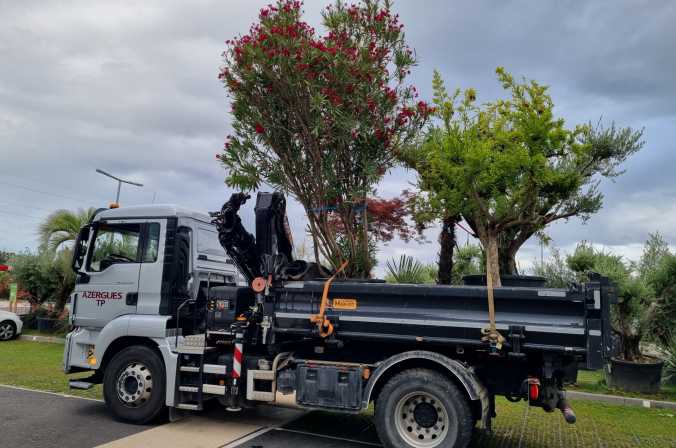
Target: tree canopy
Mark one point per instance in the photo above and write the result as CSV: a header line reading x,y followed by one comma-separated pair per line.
x,y
62,226
510,167
322,117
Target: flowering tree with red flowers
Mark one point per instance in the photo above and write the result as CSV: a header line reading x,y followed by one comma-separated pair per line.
x,y
322,117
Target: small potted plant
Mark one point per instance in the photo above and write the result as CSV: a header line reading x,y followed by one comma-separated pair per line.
x,y
631,317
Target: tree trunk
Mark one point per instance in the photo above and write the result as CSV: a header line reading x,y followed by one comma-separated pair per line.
x,y
631,347
447,244
508,262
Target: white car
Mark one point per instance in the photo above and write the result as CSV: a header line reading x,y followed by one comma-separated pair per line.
x,y
10,325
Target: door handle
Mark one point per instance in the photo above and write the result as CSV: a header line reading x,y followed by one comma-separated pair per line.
x,y
131,298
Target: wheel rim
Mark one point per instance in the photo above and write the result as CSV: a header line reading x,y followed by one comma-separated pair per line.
x,y
134,385
421,419
6,331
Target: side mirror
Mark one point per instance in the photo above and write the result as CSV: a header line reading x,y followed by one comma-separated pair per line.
x,y
80,248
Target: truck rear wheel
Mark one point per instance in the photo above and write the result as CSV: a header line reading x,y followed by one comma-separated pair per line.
x,y
422,408
134,384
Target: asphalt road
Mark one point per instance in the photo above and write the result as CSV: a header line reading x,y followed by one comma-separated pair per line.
x,y
36,419
282,438
319,429
44,420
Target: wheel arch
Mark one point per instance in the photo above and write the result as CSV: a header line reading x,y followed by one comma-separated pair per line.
x,y
123,342
459,374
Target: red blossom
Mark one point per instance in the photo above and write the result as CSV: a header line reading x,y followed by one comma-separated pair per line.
x,y
260,129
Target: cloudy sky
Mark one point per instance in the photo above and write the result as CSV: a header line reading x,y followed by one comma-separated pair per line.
x,y
131,87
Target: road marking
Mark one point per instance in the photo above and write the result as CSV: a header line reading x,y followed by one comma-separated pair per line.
x,y
328,437
58,394
213,429
247,437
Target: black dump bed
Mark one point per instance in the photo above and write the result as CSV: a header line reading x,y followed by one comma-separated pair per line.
x,y
571,321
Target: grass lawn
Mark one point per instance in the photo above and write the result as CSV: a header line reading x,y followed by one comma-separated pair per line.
x,y
38,366
594,382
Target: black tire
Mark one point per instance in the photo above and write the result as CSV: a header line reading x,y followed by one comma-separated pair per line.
x,y
9,330
434,398
144,363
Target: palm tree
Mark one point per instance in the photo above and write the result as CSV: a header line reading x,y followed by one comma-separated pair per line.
x,y
58,229
62,227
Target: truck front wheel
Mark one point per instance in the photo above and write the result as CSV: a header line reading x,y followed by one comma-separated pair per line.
x,y
134,384
422,408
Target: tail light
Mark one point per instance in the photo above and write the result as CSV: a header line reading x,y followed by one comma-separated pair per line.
x,y
533,389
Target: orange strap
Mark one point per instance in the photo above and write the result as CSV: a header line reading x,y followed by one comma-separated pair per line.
x,y
324,325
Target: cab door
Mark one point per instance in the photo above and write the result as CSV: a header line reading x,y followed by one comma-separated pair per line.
x,y
107,284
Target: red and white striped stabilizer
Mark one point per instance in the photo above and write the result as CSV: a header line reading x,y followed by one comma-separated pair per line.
x,y
237,361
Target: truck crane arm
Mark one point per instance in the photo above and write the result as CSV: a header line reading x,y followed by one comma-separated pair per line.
x,y
240,244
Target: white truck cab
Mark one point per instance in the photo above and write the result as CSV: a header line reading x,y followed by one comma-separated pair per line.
x,y
139,269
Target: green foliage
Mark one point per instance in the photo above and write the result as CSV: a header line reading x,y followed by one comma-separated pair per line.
x,y
409,270
669,373
510,167
467,260
637,311
36,274
555,270
646,289
45,276
321,117
650,266
62,227
663,281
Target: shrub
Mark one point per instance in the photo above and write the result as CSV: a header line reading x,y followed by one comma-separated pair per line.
x,y
409,270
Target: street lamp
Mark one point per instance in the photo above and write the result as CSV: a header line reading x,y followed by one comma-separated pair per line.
x,y
119,183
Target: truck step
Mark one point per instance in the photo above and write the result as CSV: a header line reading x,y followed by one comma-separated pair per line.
x,y
193,389
188,406
212,369
213,389
215,369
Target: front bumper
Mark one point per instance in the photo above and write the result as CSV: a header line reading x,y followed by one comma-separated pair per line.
x,y
79,347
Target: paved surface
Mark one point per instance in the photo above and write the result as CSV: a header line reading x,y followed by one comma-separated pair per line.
x,y
210,429
282,438
36,419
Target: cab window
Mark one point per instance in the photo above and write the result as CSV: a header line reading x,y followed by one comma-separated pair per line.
x,y
115,243
152,244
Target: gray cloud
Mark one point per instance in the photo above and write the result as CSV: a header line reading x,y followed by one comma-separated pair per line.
x,y
131,88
